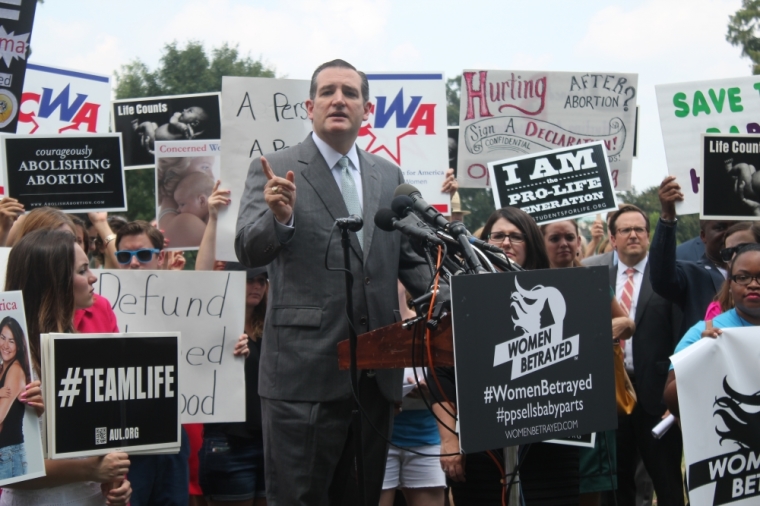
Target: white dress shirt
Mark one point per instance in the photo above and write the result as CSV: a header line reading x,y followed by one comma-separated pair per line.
x,y
331,157
622,278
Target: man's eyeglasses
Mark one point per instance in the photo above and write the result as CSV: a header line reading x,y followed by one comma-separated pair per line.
x,y
726,254
628,230
143,255
745,279
498,237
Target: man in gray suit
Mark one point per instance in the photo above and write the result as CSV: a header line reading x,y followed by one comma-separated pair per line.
x,y
306,401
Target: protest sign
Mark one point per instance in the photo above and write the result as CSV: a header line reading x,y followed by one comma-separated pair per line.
x,y
731,189
555,185
21,438
73,173
548,373
4,252
259,116
718,390
687,110
62,101
185,175
143,121
582,440
407,126
208,309
111,392
16,20
521,112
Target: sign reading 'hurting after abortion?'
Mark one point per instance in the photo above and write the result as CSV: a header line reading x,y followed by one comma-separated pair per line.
x,y
505,113
208,309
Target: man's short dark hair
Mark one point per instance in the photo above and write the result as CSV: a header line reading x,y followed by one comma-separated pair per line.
x,y
341,64
140,227
628,208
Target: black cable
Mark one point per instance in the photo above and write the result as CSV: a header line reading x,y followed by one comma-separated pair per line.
x,y
520,460
336,269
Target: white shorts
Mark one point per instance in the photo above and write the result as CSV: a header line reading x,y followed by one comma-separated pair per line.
x,y
404,469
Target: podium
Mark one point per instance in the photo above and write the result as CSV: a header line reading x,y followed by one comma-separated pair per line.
x,y
390,347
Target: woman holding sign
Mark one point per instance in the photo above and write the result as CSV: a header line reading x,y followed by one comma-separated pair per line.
x,y
53,273
13,380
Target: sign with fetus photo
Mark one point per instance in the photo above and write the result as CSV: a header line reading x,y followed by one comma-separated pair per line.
x,y
186,172
731,181
145,121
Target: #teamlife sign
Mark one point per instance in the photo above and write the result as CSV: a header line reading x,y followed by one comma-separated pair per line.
x,y
407,126
63,101
208,309
555,185
143,121
533,356
687,110
72,173
259,116
506,113
21,438
718,392
111,392
731,183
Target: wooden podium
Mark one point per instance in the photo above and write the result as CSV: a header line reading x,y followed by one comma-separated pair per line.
x,y
390,347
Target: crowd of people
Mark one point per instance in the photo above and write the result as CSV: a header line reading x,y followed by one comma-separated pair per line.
x,y
296,446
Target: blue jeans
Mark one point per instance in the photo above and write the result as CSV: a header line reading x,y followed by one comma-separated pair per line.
x,y
231,468
12,461
161,480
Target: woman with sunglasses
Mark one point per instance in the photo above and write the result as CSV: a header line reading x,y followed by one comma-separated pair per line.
x,y
737,236
53,273
597,475
744,286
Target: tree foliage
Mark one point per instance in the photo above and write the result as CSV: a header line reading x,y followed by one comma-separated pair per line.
x,y
452,99
742,31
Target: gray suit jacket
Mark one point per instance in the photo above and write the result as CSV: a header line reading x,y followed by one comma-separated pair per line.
x,y
306,315
603,259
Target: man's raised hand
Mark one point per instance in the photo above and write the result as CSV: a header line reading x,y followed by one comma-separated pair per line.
x,y
279,193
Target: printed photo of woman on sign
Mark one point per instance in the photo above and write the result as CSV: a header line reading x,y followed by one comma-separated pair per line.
x,y
14,376
183,187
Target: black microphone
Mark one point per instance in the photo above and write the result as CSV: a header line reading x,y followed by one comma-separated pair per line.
x,y
402,205
428,212
353,223
484,245
386,219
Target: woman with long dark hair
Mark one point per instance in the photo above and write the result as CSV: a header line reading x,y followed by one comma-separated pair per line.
x,y
14,377
53,273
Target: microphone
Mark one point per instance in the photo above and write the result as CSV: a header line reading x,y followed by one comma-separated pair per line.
x,y
484,245
386,219
353,223
402,205
428,212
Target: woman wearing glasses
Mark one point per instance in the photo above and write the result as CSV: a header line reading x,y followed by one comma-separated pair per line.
x,y
515,232
744,286
737,236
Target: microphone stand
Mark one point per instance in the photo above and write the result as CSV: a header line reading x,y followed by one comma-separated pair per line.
x,y
356,420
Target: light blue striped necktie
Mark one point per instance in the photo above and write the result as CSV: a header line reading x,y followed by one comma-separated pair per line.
x,y
350,195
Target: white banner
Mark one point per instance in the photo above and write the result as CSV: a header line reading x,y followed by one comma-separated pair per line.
x,y
259,116
62,101
208,308
407,127
688,110
719,397
517,112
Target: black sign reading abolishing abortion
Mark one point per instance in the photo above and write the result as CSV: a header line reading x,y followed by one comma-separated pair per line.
x,y
143,121
16,21
112,391
533,354
72,173
555,185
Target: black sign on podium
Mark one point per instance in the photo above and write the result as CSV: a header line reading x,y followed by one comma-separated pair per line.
x,y
533,355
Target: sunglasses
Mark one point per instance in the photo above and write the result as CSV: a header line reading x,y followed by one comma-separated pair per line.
x,y
143,255
726,254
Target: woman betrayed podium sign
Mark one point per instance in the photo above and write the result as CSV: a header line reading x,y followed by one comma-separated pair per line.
x,y
533,354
